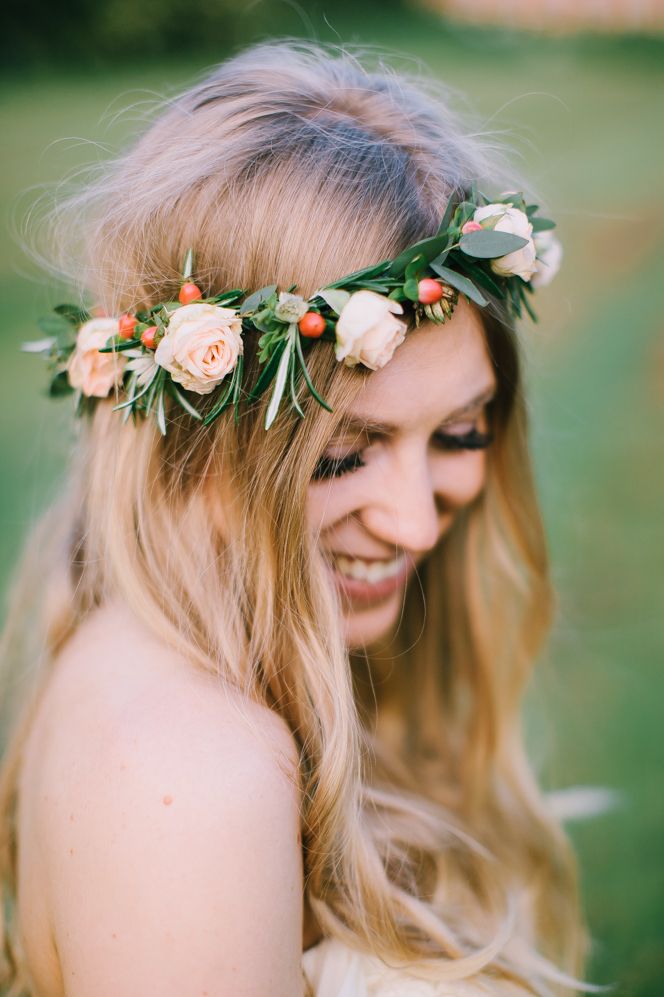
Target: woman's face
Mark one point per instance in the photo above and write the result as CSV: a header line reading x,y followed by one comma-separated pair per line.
x,y
387,490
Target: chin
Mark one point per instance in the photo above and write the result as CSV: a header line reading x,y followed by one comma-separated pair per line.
x,y
365,626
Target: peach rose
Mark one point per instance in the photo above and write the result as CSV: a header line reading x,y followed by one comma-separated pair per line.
x,y
367,330
522,261
201,346
93,372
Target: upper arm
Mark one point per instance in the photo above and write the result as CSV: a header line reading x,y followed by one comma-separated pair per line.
x,y
175,858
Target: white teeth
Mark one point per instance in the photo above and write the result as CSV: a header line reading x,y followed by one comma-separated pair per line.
x,y
374,571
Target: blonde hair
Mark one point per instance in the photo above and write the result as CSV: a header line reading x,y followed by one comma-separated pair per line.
x,y
426,838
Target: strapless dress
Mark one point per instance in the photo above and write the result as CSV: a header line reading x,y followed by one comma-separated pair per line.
x,y
335,970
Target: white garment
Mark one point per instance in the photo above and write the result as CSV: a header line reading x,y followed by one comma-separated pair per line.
x,y
335,970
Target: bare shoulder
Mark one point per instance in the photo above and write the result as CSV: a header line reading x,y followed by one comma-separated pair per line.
x,y
172,809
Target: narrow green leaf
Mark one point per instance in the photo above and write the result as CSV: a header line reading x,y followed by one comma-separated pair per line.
x,y
161,411
60,385
119,346
461,283
489,244
293,391
447,217
186,405
188,265
279,382
267,373
307,376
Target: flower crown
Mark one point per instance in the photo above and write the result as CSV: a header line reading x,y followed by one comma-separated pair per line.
x,y
194,346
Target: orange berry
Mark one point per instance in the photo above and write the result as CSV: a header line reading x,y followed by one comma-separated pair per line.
x,y
311,325
126,326
147,337
189,292
429,291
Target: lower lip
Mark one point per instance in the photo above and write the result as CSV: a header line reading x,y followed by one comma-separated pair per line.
x,y
358,590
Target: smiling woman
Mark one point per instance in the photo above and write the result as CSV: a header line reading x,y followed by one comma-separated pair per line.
x,y
271,742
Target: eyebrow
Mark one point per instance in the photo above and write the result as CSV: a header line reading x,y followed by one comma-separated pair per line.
x,y
361,425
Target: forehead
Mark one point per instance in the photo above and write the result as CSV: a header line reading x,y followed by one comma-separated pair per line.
x,y
435,371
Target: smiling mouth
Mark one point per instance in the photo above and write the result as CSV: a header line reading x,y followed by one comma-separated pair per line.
x,y
366,582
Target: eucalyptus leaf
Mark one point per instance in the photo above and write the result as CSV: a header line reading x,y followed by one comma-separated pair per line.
x,y
336,299
461,283
542,224
410,289
279,382
73,313
55,325
251,303
489,244
427,248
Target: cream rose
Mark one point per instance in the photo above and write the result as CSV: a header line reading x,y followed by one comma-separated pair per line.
x,y
549,257
93,372
201,346
367,331
522,261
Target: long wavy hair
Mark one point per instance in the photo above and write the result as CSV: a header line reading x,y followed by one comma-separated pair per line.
x,y
425,835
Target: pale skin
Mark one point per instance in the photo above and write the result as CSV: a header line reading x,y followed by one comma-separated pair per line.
x,y
145,864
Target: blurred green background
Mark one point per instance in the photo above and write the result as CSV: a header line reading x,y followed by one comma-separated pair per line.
x,y
584,115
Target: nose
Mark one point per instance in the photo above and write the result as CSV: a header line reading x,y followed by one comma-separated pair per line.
x,y
403,511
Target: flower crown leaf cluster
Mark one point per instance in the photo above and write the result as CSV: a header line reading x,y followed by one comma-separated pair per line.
x,y
193,346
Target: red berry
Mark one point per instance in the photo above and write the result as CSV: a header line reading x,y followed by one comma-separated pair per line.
x,y
429,291
312,325
126,326
470,227
147,337
189,292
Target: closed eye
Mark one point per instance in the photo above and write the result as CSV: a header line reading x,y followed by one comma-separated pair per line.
x,y
334,467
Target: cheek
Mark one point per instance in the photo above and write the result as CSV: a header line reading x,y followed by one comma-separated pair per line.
x,y
327,503
459,480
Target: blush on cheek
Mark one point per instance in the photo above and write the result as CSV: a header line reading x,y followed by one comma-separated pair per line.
x,y
462,482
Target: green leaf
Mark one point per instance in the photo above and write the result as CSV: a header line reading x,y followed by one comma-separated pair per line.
x,y
251,303
186,405
267,373
161,411
527,305
293,391
188,265
228,296
237,384
461,284
55,325
428,248
120,345
223,401
307,376
486,245
360,276
542,224
410,289
447,217
336,299
73,313
531,209
279,382
60,385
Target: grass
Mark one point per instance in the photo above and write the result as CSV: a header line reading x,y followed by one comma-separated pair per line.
x,y
581,116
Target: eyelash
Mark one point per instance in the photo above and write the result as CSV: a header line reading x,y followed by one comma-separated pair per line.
x,y
334,467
